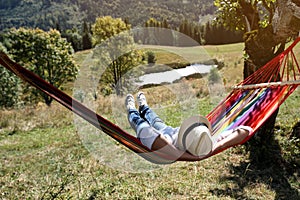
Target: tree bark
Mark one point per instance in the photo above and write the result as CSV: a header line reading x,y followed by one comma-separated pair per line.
x,y
286,20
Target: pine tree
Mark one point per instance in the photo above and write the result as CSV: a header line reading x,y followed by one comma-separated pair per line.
x,y
86,37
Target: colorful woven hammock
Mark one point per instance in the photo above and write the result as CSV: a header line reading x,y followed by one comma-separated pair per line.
x,y
250,103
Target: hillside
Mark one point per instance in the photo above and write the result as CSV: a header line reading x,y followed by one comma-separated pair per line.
x,y
67,14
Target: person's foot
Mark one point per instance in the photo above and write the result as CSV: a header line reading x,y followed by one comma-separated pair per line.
x,y
129,102
141,99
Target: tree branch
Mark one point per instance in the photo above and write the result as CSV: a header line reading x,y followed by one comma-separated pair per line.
x,y
286,20
251,14
270,9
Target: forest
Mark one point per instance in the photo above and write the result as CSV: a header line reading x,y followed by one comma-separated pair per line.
x,y
70,13
73,18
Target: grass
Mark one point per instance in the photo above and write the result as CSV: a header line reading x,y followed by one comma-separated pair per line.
x,y
231,55
45,156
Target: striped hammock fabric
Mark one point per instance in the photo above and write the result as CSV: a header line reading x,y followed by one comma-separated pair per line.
x,y
250,103
256,98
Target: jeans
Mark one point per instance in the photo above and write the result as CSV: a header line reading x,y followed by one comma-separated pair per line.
x,y
151,117
148,126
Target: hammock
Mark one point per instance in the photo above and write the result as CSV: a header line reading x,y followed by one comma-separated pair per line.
x,y
250,103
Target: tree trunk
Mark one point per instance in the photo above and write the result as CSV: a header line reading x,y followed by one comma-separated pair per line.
x,y
262,45
259,47
48,100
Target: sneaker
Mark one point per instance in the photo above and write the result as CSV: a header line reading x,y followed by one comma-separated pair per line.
x,y
141,99
129,102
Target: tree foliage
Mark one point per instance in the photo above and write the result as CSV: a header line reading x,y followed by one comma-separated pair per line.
x,y
245,15
9,4
71,18
157,33
107,27
259,19
116,54
45,14
151,59
9,87
187,34
74,37
45,53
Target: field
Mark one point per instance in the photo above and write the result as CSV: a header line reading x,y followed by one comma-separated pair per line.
x,y
45,154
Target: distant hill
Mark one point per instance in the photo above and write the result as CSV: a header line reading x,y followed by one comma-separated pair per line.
x,y
68,14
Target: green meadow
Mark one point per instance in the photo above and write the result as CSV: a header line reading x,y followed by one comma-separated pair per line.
x,y
45,154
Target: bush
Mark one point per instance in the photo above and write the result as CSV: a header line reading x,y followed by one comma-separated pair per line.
x,y
9,86
214,76
151,57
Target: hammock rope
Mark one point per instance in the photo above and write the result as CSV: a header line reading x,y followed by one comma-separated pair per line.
x,y
250,103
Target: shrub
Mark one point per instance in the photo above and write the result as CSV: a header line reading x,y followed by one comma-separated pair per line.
x,y
9,86
151,57
214,76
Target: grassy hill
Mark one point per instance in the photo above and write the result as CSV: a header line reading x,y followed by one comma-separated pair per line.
x,y
44,156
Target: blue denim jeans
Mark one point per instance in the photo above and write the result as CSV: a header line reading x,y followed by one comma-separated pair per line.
x,y
148,126
151,117
136,121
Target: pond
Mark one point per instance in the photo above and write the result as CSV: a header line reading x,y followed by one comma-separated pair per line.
x,y
174,75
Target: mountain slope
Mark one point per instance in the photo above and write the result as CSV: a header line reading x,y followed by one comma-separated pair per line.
x,y
67,14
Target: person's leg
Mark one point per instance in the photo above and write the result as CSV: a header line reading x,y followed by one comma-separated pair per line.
x,y
145,133
148,114
135,120
170,133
